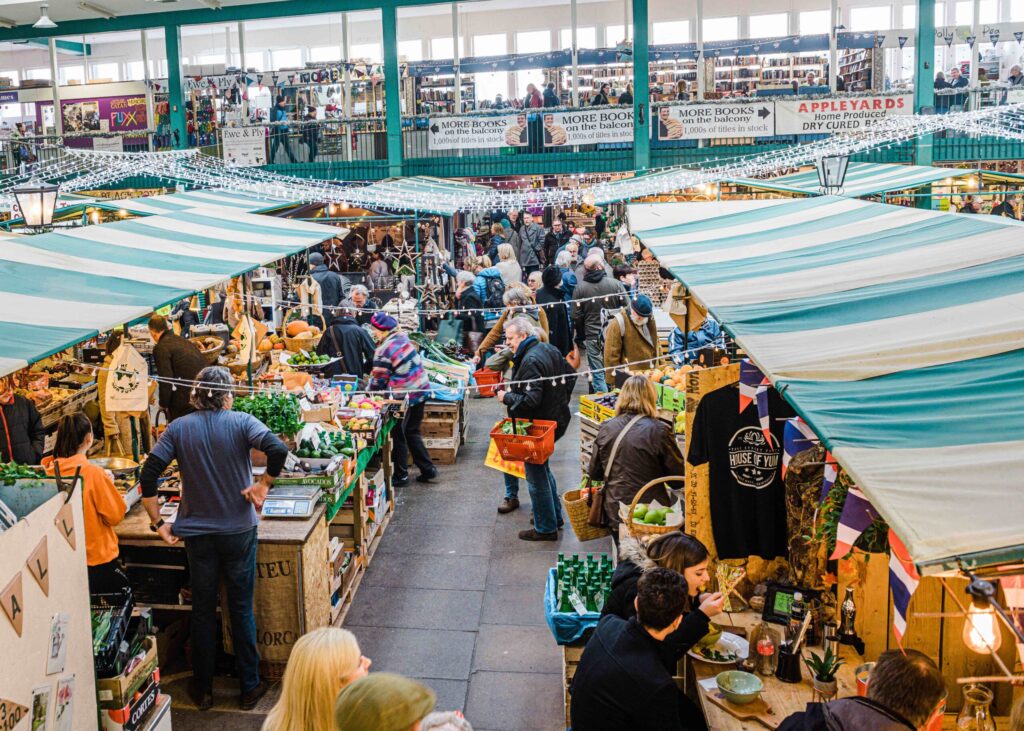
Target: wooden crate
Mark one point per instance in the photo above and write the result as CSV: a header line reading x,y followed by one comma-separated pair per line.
x,y
571,655
440,429
443,451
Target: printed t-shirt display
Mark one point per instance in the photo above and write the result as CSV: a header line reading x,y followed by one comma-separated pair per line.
x,y
748,506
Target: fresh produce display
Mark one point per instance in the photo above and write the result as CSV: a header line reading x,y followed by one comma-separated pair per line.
x,y
327,445
279,411
308,359
101,622
582,583
670,375
519,427
644,514
368,403
12,471
358,423
605,399
437,352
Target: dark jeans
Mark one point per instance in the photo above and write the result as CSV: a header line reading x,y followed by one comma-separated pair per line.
x,y
231,557
108,578
314,147
547,507
277,141
406,437
528,270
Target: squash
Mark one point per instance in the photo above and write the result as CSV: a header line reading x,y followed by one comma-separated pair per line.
x,y
295,327
265,345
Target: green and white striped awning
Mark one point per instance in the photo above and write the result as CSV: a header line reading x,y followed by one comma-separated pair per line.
x,y
216,199
59,288
862,179
897,333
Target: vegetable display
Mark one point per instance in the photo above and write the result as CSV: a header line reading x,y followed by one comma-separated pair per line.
x,y
643,514
278,411
10,472
308,359
521,427
327,445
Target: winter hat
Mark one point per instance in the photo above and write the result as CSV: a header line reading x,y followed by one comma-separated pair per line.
x,y
382,702
386,323
551,277
642,305
316,259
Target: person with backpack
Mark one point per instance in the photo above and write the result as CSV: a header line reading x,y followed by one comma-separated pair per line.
x,y
596,292
348,339
279,132
540,388
517,301
631,336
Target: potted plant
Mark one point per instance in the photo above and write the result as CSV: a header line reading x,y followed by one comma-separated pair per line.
x,y
823,673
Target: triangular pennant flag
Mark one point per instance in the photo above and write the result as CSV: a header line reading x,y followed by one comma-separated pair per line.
x,y
12,602
1018,34
65,522
971,40
828,478
879,40
857,515
1013,591
39,565
903,581
796,437
754,386
993,36
903,40
14,712
949,39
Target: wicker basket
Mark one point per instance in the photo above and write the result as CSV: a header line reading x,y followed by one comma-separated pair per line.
x,y
642,528
240,368
210,347
578,509
294,345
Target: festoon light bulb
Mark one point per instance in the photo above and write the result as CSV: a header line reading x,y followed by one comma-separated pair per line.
x,y
981,628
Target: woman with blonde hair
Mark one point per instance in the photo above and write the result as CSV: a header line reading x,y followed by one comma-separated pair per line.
x,y
632,449
322,663
507,266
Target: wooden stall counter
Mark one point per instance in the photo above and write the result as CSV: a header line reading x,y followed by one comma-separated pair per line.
x,y
134,529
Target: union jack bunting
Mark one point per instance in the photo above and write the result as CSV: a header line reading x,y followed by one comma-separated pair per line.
x,y
903,581
828,479
796,437
857,515
754,385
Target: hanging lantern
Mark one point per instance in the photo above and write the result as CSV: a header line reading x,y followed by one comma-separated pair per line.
x,y
37,202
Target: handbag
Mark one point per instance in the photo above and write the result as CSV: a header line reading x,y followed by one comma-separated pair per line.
x,y
597,517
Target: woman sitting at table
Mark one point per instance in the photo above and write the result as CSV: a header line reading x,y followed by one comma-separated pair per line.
x,y
683,554
103,506
322,662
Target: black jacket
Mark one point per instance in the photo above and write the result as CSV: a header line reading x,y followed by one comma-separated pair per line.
x,y
553,242
354,345
472,322
557,312
550,98
333,287
621,683
176,357
548,399
621,603
586,316
26,432
846,714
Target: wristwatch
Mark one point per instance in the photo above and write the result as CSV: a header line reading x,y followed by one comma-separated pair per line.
x,y
155,527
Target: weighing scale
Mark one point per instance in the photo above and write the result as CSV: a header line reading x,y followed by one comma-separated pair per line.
x,y
291,501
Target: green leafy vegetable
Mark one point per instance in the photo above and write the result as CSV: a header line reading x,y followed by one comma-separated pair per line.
x,y
278,411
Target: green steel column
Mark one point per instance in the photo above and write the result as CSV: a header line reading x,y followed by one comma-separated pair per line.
x,y
924,82
641,88
392,90
176,99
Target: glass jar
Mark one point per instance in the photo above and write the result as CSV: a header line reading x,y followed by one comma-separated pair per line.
x,y
976,713
764,648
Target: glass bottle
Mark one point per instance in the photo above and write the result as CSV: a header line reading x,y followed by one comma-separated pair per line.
x,y
764,648
976,713
797,610
565,604
847,615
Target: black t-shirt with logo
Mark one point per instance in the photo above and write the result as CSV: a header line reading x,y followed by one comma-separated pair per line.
x,y
748,500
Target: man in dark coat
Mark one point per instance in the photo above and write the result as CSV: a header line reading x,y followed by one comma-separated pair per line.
x,y
556,238
177,358
621,682
347,338
333,287
552,299
21,428
536,393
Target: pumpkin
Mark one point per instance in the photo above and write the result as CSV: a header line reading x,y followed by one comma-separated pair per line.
x,y
295,327
265,345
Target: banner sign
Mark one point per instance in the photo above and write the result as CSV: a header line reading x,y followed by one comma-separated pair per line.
x,y
108,144
465,133
589,126
830,116
711,121
8,97
244,146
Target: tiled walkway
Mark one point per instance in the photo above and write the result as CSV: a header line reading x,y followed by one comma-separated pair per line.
x,y
454,598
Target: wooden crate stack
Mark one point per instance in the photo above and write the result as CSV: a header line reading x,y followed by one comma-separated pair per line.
x,y
588,433
444,429
571,655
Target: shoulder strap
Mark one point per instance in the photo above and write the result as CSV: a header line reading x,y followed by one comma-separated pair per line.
x,y
337,348
618,440
621,323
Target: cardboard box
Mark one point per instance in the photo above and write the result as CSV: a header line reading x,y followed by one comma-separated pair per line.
x,y
117,692
317,413
134,716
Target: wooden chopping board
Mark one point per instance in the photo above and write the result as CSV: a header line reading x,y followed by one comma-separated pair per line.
x,y
758,710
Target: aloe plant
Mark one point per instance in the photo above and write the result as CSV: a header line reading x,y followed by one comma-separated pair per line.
x,y
824,667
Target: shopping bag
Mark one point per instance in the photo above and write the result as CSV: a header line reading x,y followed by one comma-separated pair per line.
x,y
495,461
127,381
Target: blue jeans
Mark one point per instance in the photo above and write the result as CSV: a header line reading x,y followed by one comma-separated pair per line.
x,y
595,361
511,486
547,508
231,557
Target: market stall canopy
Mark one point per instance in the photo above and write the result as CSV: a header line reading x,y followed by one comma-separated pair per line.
x,y
423,195
59,288
862,179
897,333
214,198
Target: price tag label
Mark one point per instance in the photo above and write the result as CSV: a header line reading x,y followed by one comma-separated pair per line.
x,y
11,714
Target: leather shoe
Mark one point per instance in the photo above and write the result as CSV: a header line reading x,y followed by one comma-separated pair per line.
x,y
508,505
427,476
202,698
250,698
532,535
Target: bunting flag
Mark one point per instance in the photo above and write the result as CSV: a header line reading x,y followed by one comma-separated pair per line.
x,y
1018,34
903,581
1013,591
857,515
993,36
828,479
754,385
796,437
971,40
903,40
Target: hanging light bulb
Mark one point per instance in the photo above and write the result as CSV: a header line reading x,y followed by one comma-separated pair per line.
x,y
981,628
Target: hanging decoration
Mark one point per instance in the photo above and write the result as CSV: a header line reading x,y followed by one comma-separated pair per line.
x,y
903,581
1018,35
970,41
902,40
857,515
993,36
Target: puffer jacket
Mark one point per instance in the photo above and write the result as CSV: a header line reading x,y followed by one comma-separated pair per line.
x,y
586,315
26,433
647,452
625,342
